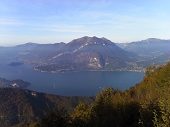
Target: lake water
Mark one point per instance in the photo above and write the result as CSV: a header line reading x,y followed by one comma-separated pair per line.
x,y
69,84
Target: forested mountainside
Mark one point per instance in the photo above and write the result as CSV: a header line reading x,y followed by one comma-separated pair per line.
x,y
20,106
144,105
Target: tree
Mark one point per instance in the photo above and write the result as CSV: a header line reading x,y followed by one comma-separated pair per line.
x,y
81,116
35,124
54,118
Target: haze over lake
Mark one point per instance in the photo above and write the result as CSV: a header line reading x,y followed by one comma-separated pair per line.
x,y
69,84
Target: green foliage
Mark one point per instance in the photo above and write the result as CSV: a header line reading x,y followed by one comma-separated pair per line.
x,y
18,106
162,116
80,116
35,124
54,118
112,108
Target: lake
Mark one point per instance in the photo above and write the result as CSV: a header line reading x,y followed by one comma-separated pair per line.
x,y
69,84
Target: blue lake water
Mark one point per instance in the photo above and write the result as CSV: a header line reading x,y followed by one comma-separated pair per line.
x,y
69,84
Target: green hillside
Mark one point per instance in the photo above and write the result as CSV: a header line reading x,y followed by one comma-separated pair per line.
x,y
24,106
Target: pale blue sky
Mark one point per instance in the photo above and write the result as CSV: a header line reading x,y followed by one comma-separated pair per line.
x,y
52,21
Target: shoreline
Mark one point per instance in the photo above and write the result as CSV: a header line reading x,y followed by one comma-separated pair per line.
x,y
89,71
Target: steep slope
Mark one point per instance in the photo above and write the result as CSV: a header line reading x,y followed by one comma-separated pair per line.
x,y
88,53
23,106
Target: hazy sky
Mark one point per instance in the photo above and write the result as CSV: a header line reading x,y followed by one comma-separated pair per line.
x,y
52,21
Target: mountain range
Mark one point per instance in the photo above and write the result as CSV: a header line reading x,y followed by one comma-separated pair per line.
x,y
151,47
153,51
91,54
82,54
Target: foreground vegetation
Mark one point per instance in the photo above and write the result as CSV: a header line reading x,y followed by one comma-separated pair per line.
x,y
145,105
19,107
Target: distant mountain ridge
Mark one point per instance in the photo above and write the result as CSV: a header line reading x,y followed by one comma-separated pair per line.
x,y
150,47
86,54
38,54
153,51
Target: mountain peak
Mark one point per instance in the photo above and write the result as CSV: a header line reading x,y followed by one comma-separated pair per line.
x,y
29,44
90,41
153,39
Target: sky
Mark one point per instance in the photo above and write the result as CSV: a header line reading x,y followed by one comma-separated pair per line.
x,y
53,21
